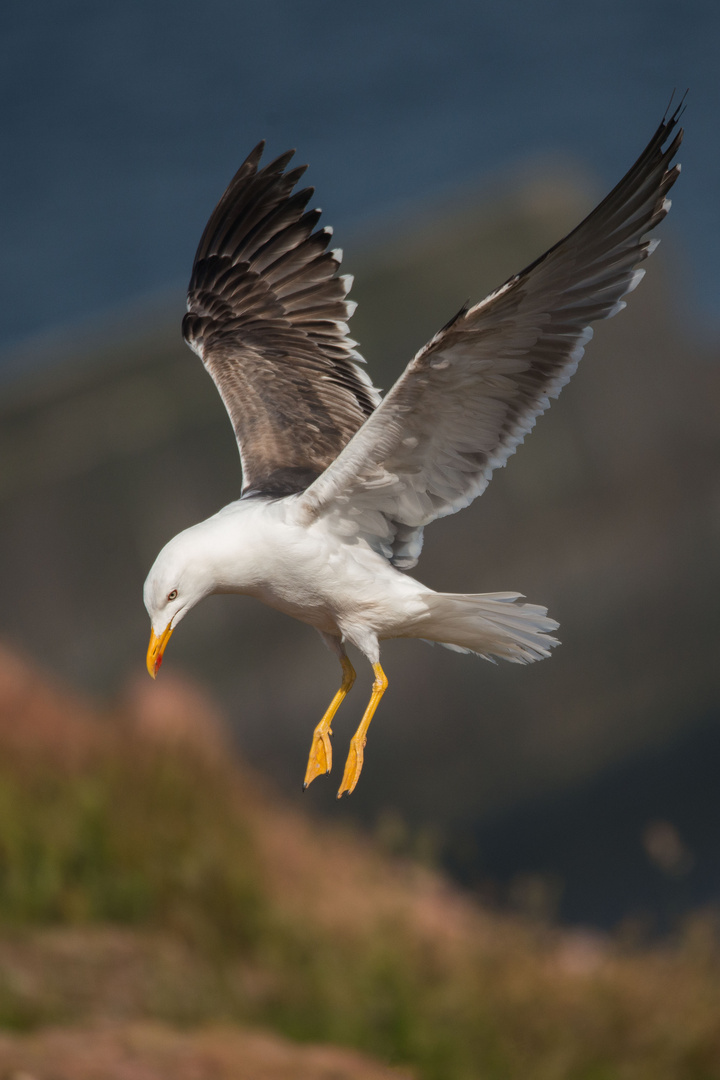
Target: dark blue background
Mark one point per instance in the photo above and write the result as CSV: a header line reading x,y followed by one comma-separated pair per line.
x,y
123,122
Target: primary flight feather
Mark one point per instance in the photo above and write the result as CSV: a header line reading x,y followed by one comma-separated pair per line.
x,y
338,484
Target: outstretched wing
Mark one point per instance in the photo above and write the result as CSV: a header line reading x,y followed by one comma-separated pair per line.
x,y
267,315
474,391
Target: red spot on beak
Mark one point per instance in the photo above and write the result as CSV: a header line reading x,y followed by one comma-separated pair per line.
x,y
156,648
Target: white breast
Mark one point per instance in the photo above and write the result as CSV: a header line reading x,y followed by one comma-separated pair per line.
x,y
330,582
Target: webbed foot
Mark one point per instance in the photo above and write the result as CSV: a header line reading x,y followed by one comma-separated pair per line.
x,y
320,758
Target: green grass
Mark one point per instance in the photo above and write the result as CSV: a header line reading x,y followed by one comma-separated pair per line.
x,y
136,837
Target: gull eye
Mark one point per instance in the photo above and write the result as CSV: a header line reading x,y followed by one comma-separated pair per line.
x,y
172,595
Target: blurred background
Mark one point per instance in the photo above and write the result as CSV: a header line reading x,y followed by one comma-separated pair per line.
x,y
449,144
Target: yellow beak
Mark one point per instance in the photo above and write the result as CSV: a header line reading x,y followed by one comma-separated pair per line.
x,y
156,648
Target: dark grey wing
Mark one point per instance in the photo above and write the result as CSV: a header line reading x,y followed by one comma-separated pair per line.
x,y
474,391
267,314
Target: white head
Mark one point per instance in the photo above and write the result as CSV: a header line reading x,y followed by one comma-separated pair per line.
x,y
182,574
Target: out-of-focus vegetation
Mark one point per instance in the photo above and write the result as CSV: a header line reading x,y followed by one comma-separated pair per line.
x,y
148,878
131,837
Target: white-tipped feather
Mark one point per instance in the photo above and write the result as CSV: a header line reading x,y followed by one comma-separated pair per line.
x,y
473,393
635,280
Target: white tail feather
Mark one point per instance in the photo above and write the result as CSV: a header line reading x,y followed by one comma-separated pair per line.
x,y
489,624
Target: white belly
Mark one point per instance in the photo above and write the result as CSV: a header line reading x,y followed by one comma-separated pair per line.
x,y
324,580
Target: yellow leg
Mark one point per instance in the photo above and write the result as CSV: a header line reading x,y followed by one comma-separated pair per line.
x,y
354,763
320,759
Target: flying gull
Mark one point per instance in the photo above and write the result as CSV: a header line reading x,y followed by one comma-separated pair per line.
x,y
338,484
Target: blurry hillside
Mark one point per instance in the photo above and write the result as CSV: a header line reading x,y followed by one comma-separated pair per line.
x,y
610,516
165,916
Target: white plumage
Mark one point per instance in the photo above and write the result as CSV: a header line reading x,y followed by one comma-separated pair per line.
x,y
338,486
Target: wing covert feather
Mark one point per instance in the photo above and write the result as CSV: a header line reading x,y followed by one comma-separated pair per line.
x,y
470,396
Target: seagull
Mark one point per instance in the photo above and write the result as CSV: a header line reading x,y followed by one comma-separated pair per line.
x,y
339,483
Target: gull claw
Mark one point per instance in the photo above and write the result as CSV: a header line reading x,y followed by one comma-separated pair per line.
x,y
320,757
353,766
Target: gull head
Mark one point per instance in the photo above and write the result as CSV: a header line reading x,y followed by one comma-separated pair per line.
x,y
181,575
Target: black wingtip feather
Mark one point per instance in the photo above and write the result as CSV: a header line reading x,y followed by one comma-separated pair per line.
x,y
280,163
679,109
458,315
268,314
254,156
